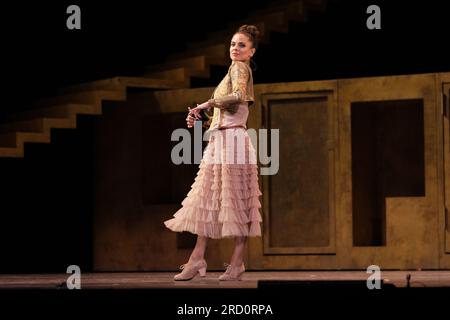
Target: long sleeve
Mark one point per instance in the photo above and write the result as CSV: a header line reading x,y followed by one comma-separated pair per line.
x,y
239,76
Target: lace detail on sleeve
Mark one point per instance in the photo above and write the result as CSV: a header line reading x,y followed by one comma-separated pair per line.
x,y
239,76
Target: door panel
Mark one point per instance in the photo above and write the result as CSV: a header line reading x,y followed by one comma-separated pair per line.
x,y
301,216
446,148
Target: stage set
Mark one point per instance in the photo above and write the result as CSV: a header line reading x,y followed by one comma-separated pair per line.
x,y
363,179
251,280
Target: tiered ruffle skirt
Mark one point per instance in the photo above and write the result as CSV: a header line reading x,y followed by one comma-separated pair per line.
x,y
223,200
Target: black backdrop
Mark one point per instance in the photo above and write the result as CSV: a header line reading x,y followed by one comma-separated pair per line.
x,y
120,38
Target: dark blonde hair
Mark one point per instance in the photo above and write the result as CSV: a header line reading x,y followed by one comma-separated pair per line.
x,y
251,32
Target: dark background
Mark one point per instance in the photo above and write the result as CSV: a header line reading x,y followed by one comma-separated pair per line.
x,y
47,197
120,38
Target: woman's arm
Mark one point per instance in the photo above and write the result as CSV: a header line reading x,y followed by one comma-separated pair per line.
x,y
239,75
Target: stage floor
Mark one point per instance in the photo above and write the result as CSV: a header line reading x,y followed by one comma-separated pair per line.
x,y
151,280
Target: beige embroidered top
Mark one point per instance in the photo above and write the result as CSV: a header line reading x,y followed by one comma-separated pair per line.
x,y
232,97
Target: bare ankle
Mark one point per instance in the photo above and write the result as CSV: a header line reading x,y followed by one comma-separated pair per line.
x,y
195,258
236,263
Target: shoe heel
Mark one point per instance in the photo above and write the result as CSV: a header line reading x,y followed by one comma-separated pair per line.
x,y
241,273
202,272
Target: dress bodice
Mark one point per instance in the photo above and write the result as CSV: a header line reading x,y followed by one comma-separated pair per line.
x,y
232,97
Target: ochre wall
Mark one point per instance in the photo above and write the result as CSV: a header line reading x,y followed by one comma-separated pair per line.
x,y
351,191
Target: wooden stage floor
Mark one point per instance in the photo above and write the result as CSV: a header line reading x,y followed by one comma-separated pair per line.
x,y
152,280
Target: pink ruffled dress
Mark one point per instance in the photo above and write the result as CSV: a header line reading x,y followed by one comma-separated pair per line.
x,y
223,200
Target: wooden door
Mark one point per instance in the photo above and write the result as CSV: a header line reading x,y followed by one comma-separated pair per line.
x,y
298,202
445,118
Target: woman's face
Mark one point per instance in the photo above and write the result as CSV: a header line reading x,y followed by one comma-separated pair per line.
x,y
241,48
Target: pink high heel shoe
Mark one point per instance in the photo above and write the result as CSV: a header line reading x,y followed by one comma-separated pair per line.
x,y
190,270
232,273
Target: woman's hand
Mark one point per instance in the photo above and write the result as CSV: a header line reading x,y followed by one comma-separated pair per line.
x,y
196,111
190,120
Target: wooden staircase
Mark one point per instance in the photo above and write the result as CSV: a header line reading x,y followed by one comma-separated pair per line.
x,y
34,126
197,60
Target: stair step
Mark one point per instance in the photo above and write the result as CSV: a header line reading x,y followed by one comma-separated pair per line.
x,y
296,7
118,83
274,21
59,111
85,97
277,19
149,83
11,153
13,139
110,84
39,125
198,62
34,125
218,50
15,134
179,74
225,37
194,63
316,4
263,27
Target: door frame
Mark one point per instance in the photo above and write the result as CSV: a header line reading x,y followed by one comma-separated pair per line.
x,y
331,142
